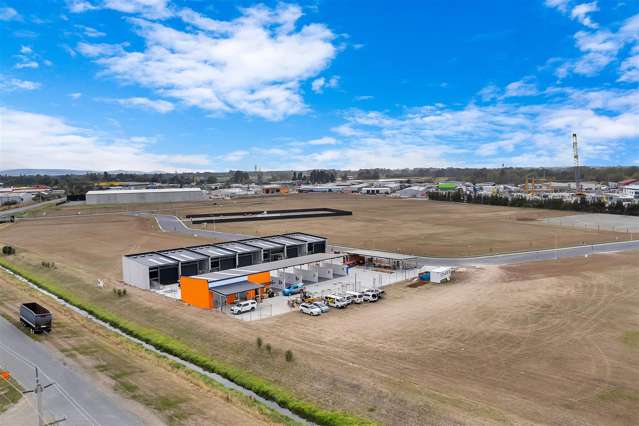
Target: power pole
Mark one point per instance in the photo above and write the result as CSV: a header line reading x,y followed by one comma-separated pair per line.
x,y
38,390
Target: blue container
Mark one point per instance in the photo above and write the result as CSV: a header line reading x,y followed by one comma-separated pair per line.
x,y
424,276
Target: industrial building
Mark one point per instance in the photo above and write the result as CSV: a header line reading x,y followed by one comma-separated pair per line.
x,y
218,289
152,270
132,196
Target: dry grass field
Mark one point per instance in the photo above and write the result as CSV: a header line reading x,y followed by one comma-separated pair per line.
x,y
427,228
554,342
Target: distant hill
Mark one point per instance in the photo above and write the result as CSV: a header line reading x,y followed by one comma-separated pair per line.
x,y
62,172
48,172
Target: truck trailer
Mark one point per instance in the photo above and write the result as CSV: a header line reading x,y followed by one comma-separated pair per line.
x,y
36,317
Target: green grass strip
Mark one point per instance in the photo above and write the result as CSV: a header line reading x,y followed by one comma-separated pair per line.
x,y
265,389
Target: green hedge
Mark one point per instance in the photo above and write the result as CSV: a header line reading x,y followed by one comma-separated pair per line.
x,y
172,346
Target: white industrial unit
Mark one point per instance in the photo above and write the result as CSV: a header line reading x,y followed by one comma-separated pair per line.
x,y
442,274
131,196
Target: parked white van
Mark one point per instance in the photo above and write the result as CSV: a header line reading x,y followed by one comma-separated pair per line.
x,y
336,301
370,296
356,297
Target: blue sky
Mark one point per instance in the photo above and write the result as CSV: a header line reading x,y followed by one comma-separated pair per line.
x,y
197,85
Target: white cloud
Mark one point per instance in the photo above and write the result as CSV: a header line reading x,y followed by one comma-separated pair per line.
x,y
253,64
152,9
157,105
489,92
8,84
326,140
600,48
319,84
535,133
629,68
561,5
27,58
347,130
75,95
522,87
27,64
90,32
364,98
41,141
237,155
9,14
581,12
79,6
93,50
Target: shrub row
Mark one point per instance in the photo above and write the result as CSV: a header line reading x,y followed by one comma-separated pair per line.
x,y
172,346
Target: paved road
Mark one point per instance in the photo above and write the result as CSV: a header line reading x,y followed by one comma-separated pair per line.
x,y
170,223
13,212
524,257
100,406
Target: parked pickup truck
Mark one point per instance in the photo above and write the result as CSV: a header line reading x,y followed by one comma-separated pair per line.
x,y
36,317
293,289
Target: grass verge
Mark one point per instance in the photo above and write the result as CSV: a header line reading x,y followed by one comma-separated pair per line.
x,y
262,387
10,393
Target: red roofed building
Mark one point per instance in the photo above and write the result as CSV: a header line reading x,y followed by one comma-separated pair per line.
x,y
628,182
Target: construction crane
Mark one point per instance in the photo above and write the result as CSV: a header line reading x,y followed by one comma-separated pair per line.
x,y
575,155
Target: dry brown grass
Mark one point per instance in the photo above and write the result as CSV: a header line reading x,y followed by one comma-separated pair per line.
x,y
427,228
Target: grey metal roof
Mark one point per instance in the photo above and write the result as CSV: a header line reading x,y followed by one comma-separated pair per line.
x,y
238,247
305,237
263,243
153,259
268,266
213,251
287,241
183,255
379,254
233,288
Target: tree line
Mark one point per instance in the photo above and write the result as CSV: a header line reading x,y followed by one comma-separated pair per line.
x,y
579,205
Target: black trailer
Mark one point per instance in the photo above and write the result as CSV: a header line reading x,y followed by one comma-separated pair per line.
x,y
36,317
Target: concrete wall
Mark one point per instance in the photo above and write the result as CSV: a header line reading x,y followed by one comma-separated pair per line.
x,y
135,274
116,197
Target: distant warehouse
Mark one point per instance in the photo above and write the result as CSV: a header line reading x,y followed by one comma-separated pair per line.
x,y
131,196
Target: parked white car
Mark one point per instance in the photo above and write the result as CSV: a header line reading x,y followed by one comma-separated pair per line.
x,y
310,309
355,296
323,306
241,307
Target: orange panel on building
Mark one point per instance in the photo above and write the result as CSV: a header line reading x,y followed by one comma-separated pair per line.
x,y
195,291
261,278
230,299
